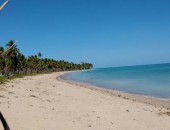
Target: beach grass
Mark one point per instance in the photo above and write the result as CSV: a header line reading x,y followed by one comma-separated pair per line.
x,y
4,79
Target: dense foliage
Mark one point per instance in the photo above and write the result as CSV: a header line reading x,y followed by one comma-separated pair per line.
x,y
14,62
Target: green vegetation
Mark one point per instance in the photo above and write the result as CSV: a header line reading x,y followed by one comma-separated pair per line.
x,y
14,63
2,79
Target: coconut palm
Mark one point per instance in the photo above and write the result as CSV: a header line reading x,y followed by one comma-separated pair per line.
x,y
15,62
12,57
2,61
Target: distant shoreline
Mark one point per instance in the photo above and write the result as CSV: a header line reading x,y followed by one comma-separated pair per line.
x,y
125,95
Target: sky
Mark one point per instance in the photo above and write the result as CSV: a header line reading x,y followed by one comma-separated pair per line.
x,y
103,32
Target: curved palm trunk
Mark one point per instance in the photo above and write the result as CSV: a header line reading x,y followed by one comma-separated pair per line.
x,y
3,5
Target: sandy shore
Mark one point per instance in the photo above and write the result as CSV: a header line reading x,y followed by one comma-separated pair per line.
x,y
45,102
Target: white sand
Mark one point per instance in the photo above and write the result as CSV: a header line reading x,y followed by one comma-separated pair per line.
x,y
45,103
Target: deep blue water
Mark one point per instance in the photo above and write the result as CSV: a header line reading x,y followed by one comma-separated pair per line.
x,y
148,80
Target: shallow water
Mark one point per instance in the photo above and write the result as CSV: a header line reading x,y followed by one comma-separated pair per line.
x,y
148,80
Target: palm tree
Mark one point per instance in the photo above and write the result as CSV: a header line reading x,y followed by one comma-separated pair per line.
x,y
39,55
15,62
2,61
3,5
12,58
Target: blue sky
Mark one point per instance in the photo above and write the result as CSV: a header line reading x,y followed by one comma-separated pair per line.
x,y
103,32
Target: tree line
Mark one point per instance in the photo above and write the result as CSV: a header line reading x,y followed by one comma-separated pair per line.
x,y
14,62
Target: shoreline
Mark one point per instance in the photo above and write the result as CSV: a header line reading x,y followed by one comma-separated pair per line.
x,y
45,102
125,95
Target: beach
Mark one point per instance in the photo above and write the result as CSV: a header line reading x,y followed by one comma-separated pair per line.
x,y
47,102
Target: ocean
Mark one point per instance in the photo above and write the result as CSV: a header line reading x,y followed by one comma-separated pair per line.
x,y
147,80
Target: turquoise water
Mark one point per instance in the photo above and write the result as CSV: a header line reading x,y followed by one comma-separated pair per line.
x,y
148,80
